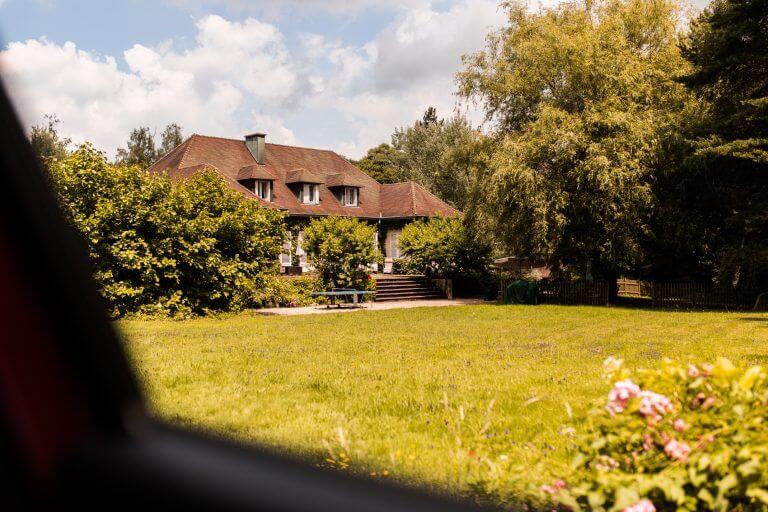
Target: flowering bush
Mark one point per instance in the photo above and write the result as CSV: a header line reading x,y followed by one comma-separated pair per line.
x,y
673,438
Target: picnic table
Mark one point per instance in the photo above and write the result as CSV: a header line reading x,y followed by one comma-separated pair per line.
x,y
343,292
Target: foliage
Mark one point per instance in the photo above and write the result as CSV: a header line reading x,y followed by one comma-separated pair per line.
x,y
278,291
385,164
141,150
439,155
46,141
674,437
158,247
714,199
581,96
171,137
341,248
443,247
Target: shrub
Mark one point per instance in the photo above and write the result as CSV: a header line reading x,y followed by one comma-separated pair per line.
x,y
443,247
276,291
341,249
674,438
163,248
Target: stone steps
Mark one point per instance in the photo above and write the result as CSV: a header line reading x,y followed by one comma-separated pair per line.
x,y
392,288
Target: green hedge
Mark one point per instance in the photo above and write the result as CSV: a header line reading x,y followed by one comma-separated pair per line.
x,y
159,247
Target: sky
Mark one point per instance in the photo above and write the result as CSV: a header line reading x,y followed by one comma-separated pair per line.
x,y
331,74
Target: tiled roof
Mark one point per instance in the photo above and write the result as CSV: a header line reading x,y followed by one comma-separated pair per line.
x,y
302,176
285,164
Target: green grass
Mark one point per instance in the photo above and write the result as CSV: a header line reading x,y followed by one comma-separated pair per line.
x,y
384,377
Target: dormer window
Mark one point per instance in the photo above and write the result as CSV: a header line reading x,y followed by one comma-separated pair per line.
x,y
309,193
351,196
263,189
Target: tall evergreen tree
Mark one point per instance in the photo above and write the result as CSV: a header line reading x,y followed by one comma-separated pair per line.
x,y
727,171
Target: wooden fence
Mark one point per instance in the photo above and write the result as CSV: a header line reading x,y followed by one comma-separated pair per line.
x,y
687,295
676,295
633,287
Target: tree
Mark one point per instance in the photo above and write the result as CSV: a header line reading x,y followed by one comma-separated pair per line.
x,y
385,164
158,247
581,97
443,247
140,149
341,249
719,192
438,154
46,142
171,138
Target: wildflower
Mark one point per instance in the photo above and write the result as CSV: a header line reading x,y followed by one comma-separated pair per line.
x,y
620,394
647,442
677,449
680,425
554,488
653,405
641,506
693,371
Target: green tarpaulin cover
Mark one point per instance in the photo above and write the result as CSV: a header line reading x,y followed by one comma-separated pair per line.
x,y
522,292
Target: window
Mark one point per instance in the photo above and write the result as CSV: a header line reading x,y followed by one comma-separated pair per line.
x,y
309,193
351,196
263,189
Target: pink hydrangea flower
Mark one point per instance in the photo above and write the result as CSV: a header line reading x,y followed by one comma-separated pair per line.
x,y
680,425
677,449
556,486
653,405
621,393
641,506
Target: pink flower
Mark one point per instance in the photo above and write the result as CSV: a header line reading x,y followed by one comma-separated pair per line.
x,y
618,397
677,450
647,442
641,506
556,486
680,425
654,405
693,371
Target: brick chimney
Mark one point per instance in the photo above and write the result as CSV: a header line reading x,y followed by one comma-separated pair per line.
x,y
255,144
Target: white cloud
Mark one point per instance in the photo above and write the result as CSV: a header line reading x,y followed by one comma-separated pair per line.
x,y
242,76
202,89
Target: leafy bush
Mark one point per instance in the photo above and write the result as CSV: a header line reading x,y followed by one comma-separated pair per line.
x,y
442,247
163,248
674,438
274,291
341,249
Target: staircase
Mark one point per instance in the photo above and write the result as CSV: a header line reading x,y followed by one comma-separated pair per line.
x,y
402,287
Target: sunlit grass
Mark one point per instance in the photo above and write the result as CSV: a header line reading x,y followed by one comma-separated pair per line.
x,y
383,377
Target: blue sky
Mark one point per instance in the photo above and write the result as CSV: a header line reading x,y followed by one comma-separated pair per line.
x,y
336,74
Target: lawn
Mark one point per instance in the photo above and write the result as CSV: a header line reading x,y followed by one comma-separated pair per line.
x,y
405,393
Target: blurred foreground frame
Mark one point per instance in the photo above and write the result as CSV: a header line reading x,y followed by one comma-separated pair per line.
x,y
74,429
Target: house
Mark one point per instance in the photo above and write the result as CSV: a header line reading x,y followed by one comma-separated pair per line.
x,y
305,183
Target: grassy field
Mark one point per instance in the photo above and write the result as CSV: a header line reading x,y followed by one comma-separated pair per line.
x,y
406,393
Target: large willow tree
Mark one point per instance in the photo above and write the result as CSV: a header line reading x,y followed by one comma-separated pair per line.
x,y
583,99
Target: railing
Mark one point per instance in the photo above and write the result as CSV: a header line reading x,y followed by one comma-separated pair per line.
x,y
688,295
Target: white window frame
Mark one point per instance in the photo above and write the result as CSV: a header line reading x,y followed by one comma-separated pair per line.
x,y
310,193
351,196
263,187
